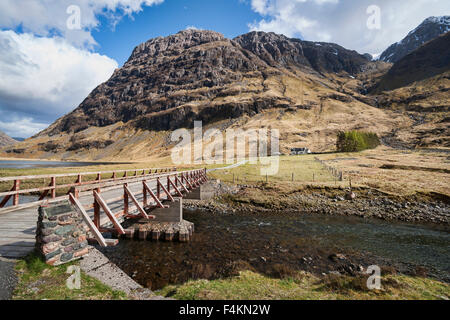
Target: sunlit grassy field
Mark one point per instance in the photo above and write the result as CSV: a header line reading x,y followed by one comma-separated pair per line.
x,y
302,168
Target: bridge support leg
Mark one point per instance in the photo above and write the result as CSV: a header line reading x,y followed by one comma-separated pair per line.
x,y
173,214
203,192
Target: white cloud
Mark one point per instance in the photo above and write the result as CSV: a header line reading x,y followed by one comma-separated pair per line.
x,y
49,68
47,17
21,127
345,22
192,28
44,78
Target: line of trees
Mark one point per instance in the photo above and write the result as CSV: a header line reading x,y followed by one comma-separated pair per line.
x,y
355,141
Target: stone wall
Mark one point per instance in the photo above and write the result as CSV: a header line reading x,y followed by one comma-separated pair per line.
x,y
61,234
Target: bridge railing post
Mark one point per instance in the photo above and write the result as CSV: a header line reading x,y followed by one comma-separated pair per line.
x,y
168,184
96,209
158,188
125,200
53,185
16,196
144,192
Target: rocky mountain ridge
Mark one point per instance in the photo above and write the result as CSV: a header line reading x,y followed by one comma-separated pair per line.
x,y
150,89
431,59
428,30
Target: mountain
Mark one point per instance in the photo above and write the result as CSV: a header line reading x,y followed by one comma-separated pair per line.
x,y
307,90
429,60
150,89
5,140
280,51
428,30
418,86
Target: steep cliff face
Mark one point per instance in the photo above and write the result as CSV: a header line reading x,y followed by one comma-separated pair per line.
x,y
167,82
430,29
278,50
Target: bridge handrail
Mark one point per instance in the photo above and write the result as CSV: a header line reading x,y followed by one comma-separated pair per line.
x,y
16,191
114,185
117,183
62,175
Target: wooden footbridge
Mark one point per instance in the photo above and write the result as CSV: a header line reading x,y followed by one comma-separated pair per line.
x,y
127,194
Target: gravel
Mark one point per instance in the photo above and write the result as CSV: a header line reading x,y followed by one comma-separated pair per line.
x,y
8,279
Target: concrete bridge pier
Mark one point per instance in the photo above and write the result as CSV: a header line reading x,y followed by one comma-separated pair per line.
x,y
168,224
204,192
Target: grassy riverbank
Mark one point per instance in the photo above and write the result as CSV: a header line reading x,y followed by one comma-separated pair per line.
x,y
38,281
304,286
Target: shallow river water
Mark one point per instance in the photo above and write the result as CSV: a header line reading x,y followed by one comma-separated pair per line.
x,y
272,244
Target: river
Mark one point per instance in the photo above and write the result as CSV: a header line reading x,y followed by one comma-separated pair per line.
x,y
271,244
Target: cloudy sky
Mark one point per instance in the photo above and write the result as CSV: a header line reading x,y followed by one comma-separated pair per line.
x,y
54,52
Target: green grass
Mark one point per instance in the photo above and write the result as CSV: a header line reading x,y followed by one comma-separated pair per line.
x,y
304,286
301,168
39,281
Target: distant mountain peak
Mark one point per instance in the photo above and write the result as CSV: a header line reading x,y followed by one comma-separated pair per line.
x,y
429,29
6,140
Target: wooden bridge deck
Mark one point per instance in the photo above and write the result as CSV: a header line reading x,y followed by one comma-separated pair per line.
x,y
18,228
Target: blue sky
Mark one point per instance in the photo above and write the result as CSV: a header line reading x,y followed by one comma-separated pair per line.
x,y
230,17
47,69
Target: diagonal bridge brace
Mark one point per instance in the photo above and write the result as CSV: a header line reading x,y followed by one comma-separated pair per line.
x,y
147,189
99,200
